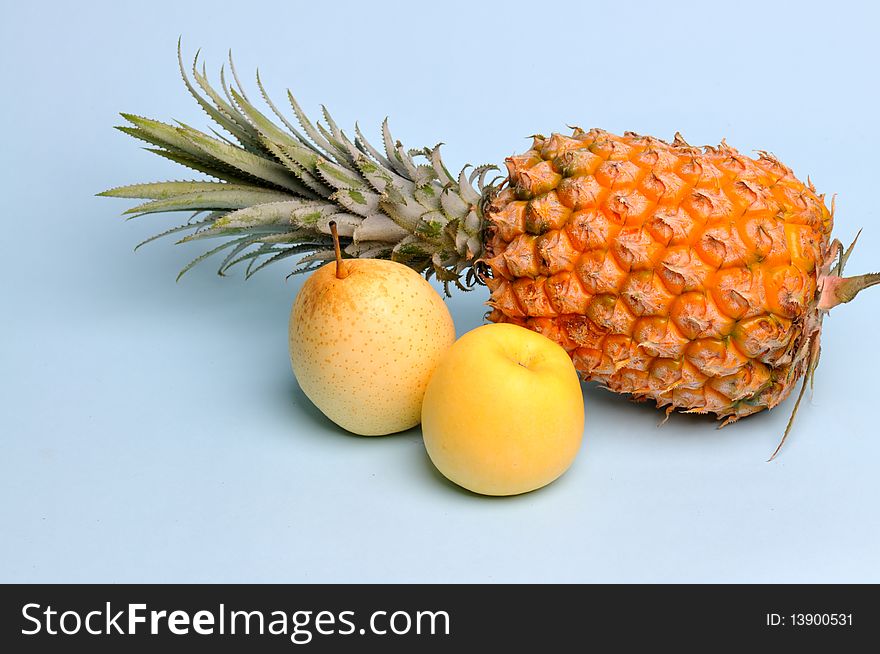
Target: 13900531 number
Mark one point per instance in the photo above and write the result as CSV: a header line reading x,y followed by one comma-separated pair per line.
x,y
821,619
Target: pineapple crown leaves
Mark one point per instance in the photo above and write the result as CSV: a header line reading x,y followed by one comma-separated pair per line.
x,y
277,187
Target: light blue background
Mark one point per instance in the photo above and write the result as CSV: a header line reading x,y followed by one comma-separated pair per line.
x,y
153,431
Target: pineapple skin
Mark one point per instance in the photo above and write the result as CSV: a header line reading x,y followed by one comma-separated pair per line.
x,y
683,275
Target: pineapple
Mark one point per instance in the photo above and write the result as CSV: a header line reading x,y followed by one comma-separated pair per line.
x,y
693,277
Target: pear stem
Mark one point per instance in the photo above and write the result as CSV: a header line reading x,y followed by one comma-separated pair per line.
x,y
341,272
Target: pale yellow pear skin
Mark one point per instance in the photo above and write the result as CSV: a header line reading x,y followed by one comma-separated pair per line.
x,y
364,346
504,412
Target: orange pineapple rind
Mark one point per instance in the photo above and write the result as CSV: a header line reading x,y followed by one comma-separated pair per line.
x,y
694,277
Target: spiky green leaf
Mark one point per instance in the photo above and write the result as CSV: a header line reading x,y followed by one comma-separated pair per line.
x,y
162,190
230,198
281,188
243,160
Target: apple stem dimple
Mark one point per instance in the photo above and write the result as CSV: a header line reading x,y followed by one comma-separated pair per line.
x,y
341,272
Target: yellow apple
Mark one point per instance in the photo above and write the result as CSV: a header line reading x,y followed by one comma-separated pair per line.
x,y
503,413
365,336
